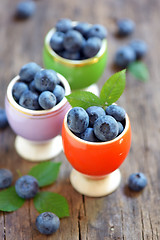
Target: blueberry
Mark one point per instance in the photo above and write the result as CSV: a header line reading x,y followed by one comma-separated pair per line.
x,y
18,89
64,25
73,41
77,120
56,41
137,181
94,112
98,31
82,27
88,135
139,47
120,127
105,128
46,80
124,56
28,71
32,87
25,9
59,93
3,119
125,27
47,100
47,223
5,178
29,100
26,187
91,47
71,56
116,111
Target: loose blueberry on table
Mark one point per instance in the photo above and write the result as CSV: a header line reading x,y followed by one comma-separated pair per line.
x,y
137,181
5,178
25,9
96,124
77,42
125,27
38,88
47,223
3,119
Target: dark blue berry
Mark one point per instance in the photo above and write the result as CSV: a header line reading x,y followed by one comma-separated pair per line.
x,y
3,119
137,181
98,31
64,25
71,56
26,187
29,100
139,47
105,128
82,27
5,178
88,135
28,71
56,41
47,223
32,87
94,112
116,111
47,100
46,80
121,128
125,27
25,9
91,47
77,120
18,89
59,93
73,41
124,56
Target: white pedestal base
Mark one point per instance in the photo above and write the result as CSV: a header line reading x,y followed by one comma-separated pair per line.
x,y
95,187
34,151
93,88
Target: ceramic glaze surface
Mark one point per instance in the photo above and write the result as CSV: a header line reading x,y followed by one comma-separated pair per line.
x,y
36,125
79,74
96,159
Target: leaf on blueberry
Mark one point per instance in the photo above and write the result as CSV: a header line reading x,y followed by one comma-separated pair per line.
x,y
113,88
9,200
83,99
51,202
139,70
45,173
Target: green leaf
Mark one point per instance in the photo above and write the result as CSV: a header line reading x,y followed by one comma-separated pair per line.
x,y
83,99
139,70
46,172
51,202
9,200
113,88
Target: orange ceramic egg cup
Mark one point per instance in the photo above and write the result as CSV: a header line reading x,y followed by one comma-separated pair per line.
x,y
96,165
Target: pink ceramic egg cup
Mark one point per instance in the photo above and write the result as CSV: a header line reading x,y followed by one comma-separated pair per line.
x,y
38,131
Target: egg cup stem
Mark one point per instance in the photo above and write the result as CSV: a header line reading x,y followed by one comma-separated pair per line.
x,y
38,151
95,187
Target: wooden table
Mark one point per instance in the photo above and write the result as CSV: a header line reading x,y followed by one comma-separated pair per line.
x,y
123,214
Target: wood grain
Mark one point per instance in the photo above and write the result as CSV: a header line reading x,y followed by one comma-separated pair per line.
x,y
122,215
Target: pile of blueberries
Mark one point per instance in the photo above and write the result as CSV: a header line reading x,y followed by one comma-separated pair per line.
x,y
77,42
96,124
38,88
27,187
135,50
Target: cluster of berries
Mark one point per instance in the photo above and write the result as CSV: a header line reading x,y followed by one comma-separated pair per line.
x,y
96,124
77,41
38,88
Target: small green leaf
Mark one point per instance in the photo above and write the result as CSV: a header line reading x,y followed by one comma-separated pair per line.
x,y
83,99
139,70
113,88
51,202
46,172
9,200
